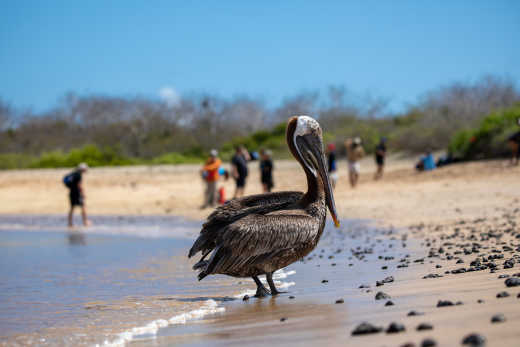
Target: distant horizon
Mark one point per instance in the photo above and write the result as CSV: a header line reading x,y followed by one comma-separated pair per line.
x,y
269,51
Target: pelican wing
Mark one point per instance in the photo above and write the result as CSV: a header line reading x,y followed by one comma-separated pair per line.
x,y
255,239
236,209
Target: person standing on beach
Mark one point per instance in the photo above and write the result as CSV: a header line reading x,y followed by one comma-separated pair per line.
x,y
354,153
266,170
331,158
210,174
380,155
73,181
514,144
239,169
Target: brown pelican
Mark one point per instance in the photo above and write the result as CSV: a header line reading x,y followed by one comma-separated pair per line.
x,y
260,234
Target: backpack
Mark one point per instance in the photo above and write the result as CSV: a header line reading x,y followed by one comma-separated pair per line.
x,y
67,180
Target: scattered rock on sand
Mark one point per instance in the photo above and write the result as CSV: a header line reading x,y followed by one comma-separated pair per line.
x,y
366,328
432,276
283,319
502,295
429,342
389,303
381,295
512,282
498,318
443,303
424,326
474,340
395,328
414,313
340,301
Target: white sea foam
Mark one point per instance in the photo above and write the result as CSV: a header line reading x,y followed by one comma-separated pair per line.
x,y
280,274
150,330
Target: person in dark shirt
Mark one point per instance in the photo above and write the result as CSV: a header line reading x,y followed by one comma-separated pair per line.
x,y
380,155
77,193
266,170
239,171
514,144
331,158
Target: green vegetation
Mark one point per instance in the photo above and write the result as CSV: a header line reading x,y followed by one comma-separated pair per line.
x,y
90,154
108,131
489,138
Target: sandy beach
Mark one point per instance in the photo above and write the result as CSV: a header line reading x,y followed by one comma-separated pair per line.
x,y
447,235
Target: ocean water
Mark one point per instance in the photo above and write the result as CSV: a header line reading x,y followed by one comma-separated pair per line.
x,y
90,285
128,281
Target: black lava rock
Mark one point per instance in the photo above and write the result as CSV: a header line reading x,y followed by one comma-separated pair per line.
x,y
414,313
498,318
443,303
245,298
283,319
502,295
424,326
366,328
395,328
512,282
429,343
388,279
340,301
325,281
381,295
432,276
291,297
389,303
474,340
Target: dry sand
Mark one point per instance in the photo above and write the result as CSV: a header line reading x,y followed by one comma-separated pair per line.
x,y
401,198
469,210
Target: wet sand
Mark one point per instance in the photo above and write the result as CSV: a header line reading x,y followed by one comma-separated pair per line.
x,y
352,262
448,218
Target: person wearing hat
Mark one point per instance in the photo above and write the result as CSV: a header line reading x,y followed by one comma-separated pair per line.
x,y
73,181
354,153
210,174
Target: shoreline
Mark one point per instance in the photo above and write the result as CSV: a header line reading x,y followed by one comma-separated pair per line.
x,y
447,220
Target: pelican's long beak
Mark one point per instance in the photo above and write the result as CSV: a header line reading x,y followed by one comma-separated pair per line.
x,y
316,147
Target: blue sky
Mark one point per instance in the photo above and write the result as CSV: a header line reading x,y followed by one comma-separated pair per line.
x,y
266,49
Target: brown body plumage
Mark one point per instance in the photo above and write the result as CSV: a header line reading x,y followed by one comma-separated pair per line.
x,y
260,234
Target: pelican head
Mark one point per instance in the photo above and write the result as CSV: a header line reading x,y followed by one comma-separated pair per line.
x,y
306,136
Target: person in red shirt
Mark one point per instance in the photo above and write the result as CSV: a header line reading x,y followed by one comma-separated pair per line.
x,y
210,175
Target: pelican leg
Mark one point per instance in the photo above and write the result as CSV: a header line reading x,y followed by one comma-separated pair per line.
x,y
269,277
261,291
